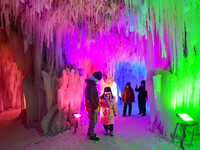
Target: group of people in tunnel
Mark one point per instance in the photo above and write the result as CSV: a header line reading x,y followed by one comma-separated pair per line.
x,y
128,97
107,104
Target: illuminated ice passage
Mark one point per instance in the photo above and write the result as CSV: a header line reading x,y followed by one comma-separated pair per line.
x,y
49,47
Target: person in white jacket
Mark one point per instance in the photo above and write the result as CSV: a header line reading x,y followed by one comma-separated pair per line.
x,y
108,109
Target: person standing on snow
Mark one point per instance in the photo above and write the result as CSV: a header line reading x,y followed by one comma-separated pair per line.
x,y
128,97
108,109
92,103
142,97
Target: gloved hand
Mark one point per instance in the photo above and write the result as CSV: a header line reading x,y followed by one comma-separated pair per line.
x,y
88,109
96,110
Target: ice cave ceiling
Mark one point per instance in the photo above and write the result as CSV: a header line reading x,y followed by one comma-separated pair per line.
x,y
138,27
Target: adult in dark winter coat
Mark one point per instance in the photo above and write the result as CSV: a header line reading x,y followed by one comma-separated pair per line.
x,y
128,97
142,97
92,103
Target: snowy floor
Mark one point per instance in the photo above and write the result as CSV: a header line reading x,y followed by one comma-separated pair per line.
x,y
130,133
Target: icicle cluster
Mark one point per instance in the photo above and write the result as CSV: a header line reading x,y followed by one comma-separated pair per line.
x,y
63,16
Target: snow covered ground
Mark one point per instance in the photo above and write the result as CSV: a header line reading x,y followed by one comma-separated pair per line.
x,y
130,133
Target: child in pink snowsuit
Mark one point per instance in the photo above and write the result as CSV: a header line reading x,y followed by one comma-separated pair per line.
x,y
108,109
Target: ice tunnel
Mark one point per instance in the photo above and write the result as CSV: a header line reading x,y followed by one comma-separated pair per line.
x,y
49,47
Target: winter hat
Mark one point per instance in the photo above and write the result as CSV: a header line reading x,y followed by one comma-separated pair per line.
x,y
97,75
143,82
107,89
128,84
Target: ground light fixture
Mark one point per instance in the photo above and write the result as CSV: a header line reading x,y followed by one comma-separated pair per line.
x,y
185,121
184,117
76,118
77,115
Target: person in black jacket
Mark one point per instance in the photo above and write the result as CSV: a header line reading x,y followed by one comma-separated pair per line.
x,y
92,103
142,97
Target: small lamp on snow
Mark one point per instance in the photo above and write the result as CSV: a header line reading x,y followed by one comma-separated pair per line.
x,y
76,115
76,118
185,121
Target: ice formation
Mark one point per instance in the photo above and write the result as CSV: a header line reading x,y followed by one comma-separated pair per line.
x,y
45,36
133,72
71,90
11,92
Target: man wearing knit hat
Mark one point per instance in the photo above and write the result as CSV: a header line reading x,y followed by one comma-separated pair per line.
x,y
92,103
142,97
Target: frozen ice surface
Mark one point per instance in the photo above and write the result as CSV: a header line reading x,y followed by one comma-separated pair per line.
x,y
130,133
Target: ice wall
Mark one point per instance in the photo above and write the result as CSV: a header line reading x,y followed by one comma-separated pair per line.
x,y
176,94
11,90
172,32
133,72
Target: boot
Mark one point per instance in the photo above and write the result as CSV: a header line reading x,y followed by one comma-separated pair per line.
x,y
111,133
88,134
94,138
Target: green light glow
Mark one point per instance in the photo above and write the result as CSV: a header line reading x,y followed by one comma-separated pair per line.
x,y
185,117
